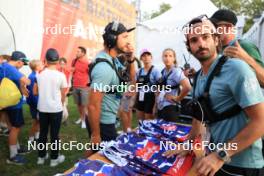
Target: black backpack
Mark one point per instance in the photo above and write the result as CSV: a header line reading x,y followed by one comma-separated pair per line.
x,y
203,102
121,74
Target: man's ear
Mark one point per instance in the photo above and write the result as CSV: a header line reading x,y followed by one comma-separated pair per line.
x,y
217,40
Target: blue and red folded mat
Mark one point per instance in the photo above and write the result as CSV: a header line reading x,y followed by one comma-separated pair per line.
x,y
141,153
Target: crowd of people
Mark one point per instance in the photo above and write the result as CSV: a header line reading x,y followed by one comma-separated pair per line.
x,y
226,98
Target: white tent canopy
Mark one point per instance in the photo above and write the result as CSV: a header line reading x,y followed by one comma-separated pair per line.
x,y
164,31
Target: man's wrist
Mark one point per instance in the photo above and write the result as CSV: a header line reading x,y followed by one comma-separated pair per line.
x,y
223,155
176,99
131,61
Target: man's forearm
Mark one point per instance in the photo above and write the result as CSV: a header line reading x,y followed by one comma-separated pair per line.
x,y
251,132
186,88
63,95
132,73
245,137
183,94
196,130
257,68
94,119
259,73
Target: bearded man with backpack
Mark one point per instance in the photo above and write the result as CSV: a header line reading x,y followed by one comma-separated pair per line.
x,y
105,72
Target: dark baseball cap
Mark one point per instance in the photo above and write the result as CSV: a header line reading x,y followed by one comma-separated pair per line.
x,y
224,15
52,55
18,55
117,28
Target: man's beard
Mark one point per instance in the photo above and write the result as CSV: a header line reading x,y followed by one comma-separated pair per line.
x,y
202,58
119,51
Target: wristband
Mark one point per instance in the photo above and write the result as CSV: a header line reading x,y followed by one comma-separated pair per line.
x,y
131,61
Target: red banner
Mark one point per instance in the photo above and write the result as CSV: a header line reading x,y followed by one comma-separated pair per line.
x,y
72,23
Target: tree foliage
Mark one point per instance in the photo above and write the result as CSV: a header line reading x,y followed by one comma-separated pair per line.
x,y
163,8
248,8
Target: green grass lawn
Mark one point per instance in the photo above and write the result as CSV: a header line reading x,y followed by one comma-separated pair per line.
x,y
71,132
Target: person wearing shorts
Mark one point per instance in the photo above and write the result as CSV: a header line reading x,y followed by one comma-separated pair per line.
x,y
15,113
80,82
146,77
32,100
125,111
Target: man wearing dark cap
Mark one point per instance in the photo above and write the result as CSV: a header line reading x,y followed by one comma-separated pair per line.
x,y
103,105
51,87
15,113
225,21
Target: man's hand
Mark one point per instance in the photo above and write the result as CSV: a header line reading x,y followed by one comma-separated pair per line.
x,y
171,98
209,165
24,91
130,52
24,82
95,139
129,94
236,52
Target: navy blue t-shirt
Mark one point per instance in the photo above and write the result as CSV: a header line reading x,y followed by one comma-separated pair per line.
x,y
32,100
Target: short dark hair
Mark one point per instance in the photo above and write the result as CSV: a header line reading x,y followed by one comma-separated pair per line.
x,y
82,49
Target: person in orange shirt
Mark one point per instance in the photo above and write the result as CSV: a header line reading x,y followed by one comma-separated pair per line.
x,y
63,68
80,80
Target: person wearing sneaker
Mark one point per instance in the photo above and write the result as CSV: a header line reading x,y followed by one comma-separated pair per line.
x,y
51,87
41,160
80,80
15,113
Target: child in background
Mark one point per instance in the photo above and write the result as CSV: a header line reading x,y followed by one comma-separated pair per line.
x,y
32,100
63,68
51,87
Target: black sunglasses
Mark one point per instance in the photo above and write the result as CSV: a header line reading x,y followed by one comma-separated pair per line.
x,y
195,20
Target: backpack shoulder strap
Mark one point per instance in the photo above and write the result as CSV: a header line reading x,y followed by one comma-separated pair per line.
x,y
98,60
195,81
150,70
230,112
140,71
162,71
214,73
94,63
138,63
165,77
